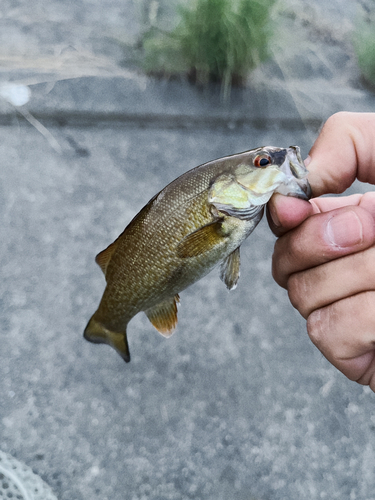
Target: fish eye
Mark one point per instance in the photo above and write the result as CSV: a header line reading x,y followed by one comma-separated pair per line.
x,y
262,161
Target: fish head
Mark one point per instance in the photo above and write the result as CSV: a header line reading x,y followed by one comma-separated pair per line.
x,y
274,170
271,170
259,174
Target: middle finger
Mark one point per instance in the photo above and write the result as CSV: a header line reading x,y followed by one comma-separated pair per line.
x,y
322,285
322,238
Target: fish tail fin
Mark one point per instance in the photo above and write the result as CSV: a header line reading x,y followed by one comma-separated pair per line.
x,y
97,333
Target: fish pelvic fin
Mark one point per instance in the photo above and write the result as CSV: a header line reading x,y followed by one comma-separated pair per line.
x,y
97,333
103,258
163,316
230,269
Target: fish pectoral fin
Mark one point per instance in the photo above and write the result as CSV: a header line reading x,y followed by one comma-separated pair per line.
x,y
163,316
103,258
97,333
230,269
201,241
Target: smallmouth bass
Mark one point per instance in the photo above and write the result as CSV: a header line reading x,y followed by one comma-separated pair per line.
x,y
196,222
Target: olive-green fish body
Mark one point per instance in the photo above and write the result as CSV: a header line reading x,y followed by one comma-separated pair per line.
x,y
197,221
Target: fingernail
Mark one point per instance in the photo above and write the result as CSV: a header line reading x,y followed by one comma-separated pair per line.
x,y
344,230
307,160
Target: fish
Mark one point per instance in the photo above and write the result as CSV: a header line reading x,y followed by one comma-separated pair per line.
x,y
195,223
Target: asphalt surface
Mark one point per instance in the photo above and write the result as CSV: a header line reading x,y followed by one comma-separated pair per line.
x,y
237,404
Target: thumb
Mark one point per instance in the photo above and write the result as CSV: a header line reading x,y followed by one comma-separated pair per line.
x,y
285,213
343,151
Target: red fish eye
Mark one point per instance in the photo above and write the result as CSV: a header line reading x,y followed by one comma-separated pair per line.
x,y
262,161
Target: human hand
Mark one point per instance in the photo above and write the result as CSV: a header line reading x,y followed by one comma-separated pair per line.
x,y
325,255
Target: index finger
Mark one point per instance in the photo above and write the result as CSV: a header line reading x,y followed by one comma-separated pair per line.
x,y
321,238
344,151
285,213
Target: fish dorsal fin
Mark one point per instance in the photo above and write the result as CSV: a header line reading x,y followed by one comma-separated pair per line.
x,y
200,241
103,258
230,269
163,316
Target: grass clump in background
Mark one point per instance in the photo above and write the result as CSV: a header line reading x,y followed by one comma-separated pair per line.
x,y
364,43
214,41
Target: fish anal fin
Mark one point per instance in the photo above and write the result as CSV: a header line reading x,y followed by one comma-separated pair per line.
x,y
163,316
103,258
230,269
201,241
97,333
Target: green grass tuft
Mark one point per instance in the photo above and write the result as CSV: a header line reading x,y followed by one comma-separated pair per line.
x,y
214,41
364,46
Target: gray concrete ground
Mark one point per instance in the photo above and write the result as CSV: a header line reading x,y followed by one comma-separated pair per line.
x,y
238,404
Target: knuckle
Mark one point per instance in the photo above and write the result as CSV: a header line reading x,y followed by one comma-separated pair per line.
x,y
315,328
337,119
302,293
275,271
367,377
296,291
279,273
299,253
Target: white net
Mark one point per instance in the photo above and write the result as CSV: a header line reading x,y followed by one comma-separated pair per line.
x,y
18,482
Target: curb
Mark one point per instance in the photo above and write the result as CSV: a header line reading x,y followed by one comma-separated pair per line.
x,y
141,101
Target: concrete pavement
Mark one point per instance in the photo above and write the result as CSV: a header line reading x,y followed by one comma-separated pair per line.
x,y
237,404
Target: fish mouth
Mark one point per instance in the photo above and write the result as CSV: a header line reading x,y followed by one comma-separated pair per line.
x,y
296,183
305,193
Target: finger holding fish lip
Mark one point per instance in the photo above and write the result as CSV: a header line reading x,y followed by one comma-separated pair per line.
x,y
333,285
343,151
285,213
320,239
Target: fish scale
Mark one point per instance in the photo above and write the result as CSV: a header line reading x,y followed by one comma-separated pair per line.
x,y
196,222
